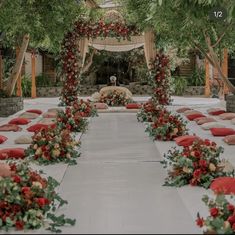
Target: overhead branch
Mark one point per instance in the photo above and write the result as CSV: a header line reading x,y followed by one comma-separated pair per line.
x,y
89,62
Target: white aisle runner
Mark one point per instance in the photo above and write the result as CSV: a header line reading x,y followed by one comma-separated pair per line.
x,y
117,185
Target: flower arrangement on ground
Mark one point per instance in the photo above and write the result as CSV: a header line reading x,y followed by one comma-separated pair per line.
x,y
28,201
149,112
222,216
84,108
53,146
71,120
198,164
167,126
114,98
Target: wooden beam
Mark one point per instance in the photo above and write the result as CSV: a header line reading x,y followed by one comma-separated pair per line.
x,y
1,72
225,68
19,79
207,76
33,88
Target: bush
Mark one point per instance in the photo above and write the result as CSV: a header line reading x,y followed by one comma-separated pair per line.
x,y
197,78
43,80
26,86
179,85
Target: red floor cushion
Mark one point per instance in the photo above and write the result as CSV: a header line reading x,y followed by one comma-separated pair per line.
x,y
19,121
50,114
37,127
101,106
224,185
191,117
16,153
227,116
10,127
133,106
3,139
204,120
37,111
182,110
217,112
222,131
229,139
186,140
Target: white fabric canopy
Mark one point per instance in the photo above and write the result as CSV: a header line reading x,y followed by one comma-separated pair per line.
x,y
112,44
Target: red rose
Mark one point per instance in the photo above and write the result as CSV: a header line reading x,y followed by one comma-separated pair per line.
x,y
231,219
207,142
25,190
197,154
193,182
233,227
197,173
42,201
68,127
19,224
16,179
200,222
230,207
214,212
203,163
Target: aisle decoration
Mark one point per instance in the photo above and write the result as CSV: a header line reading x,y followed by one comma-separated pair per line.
x,y
222,216
114,98
84,108
71,59
160,80
71,119
53,146
149,112
29,201
167,126
198,164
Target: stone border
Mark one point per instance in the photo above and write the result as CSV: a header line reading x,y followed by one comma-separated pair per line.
x,y
230,103
9,106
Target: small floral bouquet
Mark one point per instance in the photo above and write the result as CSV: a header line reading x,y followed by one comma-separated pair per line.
x,y
84,108
149,112
198,164
114,98
53,146
28,201
167,126
72,120
222,216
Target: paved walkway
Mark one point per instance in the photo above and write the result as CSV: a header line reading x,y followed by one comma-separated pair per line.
x,y
117,185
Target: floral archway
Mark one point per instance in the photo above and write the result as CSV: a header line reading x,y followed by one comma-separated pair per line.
x,y
74,50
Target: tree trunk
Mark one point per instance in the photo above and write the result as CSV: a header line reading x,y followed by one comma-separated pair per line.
x,y
17,67
89,62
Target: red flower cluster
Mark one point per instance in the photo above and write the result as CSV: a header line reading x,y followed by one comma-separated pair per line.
x,y
197,164
71,118
167,126
160,80
51,146
70,54
84,108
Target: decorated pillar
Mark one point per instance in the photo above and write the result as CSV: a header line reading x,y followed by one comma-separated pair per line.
x,y
33,88
207,76
19,80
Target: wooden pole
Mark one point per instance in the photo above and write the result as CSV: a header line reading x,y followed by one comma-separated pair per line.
x,y
207,75
225,69
33,88
1,72
19,79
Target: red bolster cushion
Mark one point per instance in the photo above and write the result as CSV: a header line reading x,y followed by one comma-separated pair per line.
x,y
3,139
191,117
38,127
16,153
37,111
217,112
10,127
133,106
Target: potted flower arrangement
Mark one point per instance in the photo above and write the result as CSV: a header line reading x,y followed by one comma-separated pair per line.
x,y
222,216
167,126
149,112
28,201
53,146
71,119
197,164
84,108
114,98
